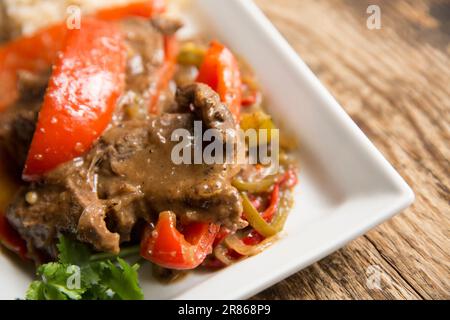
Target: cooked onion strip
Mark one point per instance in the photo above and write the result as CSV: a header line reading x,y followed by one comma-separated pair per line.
x,y
280,217
221,253
235,243
286,159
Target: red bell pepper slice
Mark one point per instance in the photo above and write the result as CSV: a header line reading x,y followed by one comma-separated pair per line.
x,y
274,199
87,79
165,73
169,248
253,238
145,9
251,98
220,71
37,52
290,179
221,235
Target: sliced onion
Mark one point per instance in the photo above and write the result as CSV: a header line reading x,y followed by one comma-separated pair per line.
x,y
235,243
221,253
281,215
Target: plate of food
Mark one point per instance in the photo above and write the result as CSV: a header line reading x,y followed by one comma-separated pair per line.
x,y
159,149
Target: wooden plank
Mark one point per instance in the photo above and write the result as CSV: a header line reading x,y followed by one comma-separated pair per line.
x,y
347,274
394,82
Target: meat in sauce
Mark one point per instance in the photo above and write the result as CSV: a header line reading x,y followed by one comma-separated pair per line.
x,y
128,176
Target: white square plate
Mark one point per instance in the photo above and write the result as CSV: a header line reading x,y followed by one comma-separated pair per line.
x,y
346,186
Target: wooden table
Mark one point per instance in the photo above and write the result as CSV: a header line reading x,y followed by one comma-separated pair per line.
x,y
395,83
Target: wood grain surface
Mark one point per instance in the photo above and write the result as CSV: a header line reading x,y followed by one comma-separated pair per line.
x,y
395,83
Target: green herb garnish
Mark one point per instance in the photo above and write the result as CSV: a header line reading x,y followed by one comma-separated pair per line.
x,y
80,275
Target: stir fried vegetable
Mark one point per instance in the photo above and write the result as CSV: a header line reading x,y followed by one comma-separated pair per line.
x,y
191,55
144,9
257,186
169,248
254,218
274,199
259,235
220,71
235,243
76,109
289,179
221,253
277,213
251,95
251,98
281,215
259,121
165,73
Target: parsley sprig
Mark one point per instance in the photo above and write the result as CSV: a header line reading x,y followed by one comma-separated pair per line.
x,y
80,275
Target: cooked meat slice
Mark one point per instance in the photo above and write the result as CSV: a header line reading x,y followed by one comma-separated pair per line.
x,y
145,58
4,23
17,126
125,206
200,192
32,86
166,24
207,104
145,53
92,227
17,122
65,202
39,223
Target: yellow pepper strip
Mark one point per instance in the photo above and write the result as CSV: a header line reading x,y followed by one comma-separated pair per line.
x,y
191,55
259,121
255,219
255,187
259,224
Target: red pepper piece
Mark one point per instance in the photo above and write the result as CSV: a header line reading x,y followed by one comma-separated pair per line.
x,y
87,80
145,9
169,248
220,71
273,206
166,72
